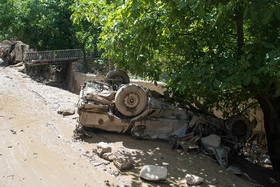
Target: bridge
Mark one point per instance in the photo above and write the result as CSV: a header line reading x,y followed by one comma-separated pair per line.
x,y
33,58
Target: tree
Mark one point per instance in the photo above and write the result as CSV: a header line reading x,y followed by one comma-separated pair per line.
x,y
7,21
41,24
86,32
220,52
51,25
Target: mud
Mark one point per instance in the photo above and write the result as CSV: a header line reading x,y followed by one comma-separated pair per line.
x,y
37,148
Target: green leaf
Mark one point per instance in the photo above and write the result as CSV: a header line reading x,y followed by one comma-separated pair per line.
x,y
216,83
277,12
268,45
201,11
193,7
246,12
247,80
182,4
256,80
267,16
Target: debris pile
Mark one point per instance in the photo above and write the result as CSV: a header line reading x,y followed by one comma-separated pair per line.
x,y
129,108
256,155
13,52
121,160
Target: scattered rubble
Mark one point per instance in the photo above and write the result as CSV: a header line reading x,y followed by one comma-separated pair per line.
x,y
102,148
153,173
122,162
256,155
108,156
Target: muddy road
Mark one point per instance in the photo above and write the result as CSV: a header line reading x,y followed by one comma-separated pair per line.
x,y
37,146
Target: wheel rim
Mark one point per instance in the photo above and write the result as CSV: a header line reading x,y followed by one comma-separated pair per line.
x,y
131,100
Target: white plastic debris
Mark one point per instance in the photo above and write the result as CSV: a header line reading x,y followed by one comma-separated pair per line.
x,y
193,179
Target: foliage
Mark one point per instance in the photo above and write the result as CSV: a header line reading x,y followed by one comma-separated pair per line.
x,y
7,11
198,45
41,24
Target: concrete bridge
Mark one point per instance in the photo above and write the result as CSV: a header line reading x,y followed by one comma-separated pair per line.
x,y
33,58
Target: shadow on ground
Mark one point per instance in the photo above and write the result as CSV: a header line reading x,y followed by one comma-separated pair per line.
x,y
180,163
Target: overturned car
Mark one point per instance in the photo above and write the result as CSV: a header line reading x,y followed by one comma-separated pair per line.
x,y
116,105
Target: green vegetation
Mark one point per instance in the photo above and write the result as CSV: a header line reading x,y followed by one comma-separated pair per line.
x,y
224,53
46,25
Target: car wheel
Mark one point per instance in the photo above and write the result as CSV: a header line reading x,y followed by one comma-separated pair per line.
x,y
239,127
117,77
131,100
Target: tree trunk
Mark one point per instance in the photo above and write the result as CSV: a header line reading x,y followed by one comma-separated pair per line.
x,y
271,110
85,62
82,45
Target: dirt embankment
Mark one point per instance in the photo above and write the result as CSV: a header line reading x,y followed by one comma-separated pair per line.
x,y
37,148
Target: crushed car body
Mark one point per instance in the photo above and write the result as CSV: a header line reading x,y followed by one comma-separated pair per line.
x,y
129,110
115,105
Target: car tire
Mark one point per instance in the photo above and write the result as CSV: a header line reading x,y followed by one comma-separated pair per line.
x,y
131,100
117,77
239,127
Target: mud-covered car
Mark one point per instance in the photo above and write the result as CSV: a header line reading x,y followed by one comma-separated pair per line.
x,y
116,105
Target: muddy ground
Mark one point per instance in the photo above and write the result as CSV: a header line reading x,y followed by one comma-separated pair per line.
x,y
37,146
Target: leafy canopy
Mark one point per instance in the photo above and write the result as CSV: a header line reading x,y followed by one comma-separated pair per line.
x,y
40,23
215,51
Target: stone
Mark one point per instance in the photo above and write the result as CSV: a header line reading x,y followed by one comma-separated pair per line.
x,y
212,140
153,173
122,162
267,161
193,179
102,148
108,156
67,112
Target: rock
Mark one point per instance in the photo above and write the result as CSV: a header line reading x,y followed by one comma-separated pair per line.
x,y
267,161
102,148
68,111
122,162
108,156
13,131
212,140
153,173
193,179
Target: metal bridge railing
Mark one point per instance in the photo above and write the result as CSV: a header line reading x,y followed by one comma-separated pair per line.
x,y
57,55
